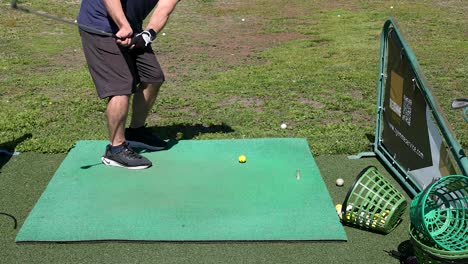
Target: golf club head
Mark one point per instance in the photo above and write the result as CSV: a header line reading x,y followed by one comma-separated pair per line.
x,y
459,103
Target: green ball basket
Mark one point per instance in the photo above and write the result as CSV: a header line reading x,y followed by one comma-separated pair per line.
x,y
440,213
427,251
372,203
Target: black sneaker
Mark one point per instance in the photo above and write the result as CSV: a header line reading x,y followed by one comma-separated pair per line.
x,y
126,158
143,137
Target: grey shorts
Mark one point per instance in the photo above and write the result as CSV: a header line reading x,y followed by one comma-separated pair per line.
x,y
117,70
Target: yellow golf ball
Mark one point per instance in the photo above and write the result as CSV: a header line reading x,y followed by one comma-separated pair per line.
x,y
242,159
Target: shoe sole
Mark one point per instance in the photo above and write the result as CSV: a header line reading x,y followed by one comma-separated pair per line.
x,y
109,162
136,144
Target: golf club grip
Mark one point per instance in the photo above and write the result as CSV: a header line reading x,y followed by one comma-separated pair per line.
x,y
96,31
84,27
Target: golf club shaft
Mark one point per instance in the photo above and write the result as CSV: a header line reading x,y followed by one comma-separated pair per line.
x,y
84,27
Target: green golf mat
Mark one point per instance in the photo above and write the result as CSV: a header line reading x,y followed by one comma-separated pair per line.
x,y
195,191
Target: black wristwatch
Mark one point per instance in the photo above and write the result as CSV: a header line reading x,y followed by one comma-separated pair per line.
x,y
153,33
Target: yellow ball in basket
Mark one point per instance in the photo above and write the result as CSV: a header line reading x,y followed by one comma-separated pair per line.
x,y
242,159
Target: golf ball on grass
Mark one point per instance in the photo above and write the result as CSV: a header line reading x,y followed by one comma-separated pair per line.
x,y
339,182
242,159
284,126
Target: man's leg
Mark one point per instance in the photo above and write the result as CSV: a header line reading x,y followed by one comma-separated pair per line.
x,y
118,153
113,78
143,101
138,135
150,76
117,111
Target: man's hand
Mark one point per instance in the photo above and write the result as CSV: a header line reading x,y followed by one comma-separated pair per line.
x,y
115,11
124,36
143,39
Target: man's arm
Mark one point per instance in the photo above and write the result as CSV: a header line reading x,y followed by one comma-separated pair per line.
x,y
156,23
115,10
161,14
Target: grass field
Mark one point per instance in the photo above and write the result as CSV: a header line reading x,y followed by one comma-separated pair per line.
x,y
235,69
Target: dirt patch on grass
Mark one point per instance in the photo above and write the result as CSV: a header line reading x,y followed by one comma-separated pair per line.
x,y
70,58
312,103
235,50
254,103
228,41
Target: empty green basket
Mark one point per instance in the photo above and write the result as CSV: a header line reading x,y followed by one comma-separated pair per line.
x,y
440,212
428,252
373,203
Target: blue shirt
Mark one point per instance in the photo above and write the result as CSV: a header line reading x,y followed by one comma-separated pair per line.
x,y
93,13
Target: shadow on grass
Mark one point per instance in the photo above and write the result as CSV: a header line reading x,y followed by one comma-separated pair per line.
x,y
371,138
175,133
189,131
7,150
405,253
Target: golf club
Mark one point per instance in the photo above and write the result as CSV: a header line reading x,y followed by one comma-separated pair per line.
x,y
14,5
459,103
12,217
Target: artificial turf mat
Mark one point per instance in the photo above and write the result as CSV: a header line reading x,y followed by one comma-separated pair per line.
x,y
196,191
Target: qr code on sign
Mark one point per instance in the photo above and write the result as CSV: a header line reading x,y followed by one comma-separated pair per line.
x,y
407,107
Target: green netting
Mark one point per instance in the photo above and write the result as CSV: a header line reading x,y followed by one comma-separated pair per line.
x,y
440,212
373,203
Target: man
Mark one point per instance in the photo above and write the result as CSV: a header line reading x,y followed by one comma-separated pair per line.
x,y
123,66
